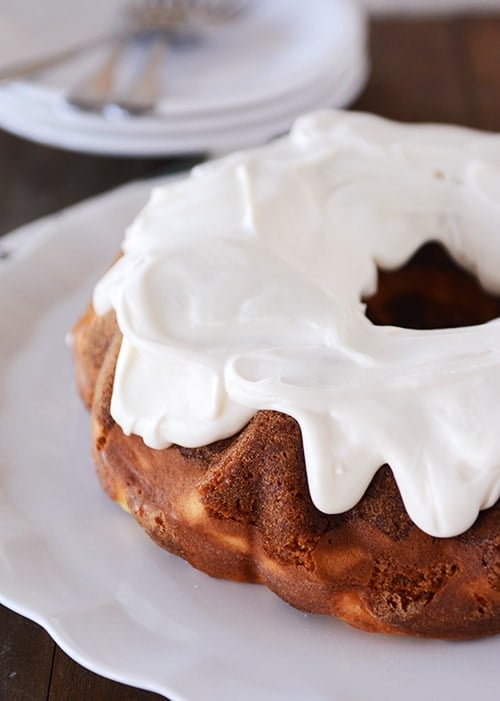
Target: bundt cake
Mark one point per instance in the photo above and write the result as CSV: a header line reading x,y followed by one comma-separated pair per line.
x,y
293,371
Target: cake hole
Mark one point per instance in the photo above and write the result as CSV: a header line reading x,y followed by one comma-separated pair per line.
x,y
431,291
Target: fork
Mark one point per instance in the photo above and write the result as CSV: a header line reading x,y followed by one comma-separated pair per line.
x,y
100,92
148,9
154,25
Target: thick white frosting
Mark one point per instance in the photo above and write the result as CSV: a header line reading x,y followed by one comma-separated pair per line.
x,y
240,289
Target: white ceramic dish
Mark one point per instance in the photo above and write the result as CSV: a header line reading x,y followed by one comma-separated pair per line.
x,y
25,117
272,49
54,107
73,561
245,83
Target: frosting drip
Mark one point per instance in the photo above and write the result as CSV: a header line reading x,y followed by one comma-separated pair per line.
x,y
240,289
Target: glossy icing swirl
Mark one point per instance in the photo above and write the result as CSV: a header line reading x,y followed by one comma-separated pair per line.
x,y
240,289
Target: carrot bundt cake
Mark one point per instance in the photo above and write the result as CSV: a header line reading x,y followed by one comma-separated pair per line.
x,y
293,372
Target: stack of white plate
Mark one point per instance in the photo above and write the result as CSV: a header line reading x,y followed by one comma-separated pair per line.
x,y
241,84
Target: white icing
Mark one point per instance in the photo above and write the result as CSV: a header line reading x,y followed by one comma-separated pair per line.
x,y
240,289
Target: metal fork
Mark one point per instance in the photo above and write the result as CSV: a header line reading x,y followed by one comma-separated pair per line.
x,y
153,25
100,91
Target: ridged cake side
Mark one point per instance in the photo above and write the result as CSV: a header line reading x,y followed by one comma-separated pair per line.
x,y
240,509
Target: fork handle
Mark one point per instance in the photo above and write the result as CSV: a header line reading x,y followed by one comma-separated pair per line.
x,y
144,92
95,91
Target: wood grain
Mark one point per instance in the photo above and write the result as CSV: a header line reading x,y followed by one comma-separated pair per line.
x,y
71,682
26,657
416,72
432,70
481,46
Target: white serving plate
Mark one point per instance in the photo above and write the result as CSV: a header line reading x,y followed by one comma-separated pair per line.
x,y
23,112
74,562
243,83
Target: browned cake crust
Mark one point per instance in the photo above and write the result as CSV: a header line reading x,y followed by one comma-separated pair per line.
x,y
240,509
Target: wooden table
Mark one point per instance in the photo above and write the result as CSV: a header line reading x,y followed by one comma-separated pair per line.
x,y
442,70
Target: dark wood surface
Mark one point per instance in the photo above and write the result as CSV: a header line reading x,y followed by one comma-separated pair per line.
x,y
441,70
